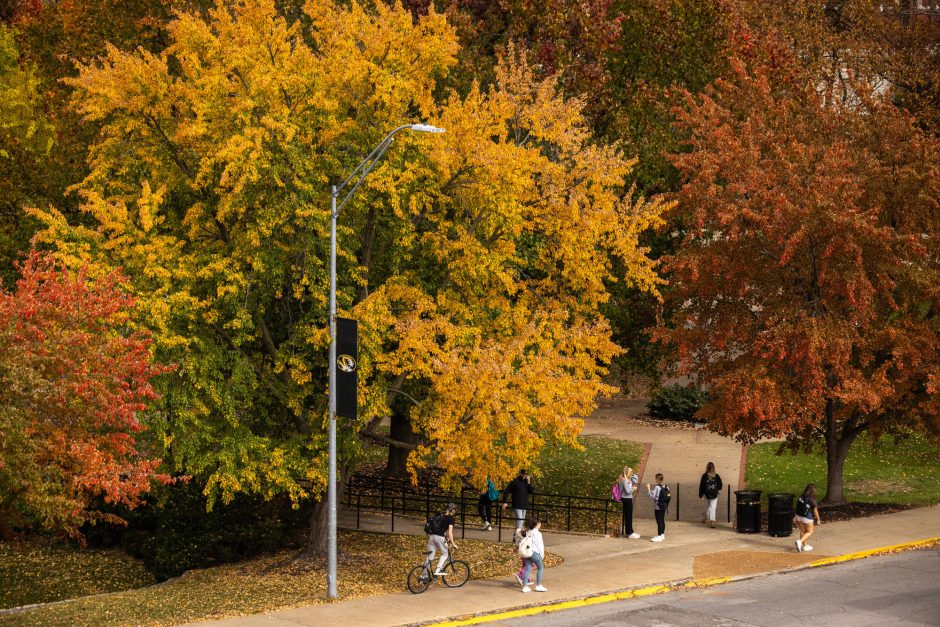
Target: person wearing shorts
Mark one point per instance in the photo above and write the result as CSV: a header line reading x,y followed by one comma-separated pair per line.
x,y
807,512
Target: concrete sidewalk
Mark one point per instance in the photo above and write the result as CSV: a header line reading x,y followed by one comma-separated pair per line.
x,y
595,565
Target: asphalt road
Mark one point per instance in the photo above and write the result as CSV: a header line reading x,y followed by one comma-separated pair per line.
x,y
902,589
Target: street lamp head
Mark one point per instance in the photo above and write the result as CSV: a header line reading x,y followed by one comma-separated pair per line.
x,y
426,128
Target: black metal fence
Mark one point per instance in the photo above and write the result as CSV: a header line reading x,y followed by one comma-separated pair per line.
x,y
558,512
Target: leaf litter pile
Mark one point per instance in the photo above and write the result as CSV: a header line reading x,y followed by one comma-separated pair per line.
x,y
369,564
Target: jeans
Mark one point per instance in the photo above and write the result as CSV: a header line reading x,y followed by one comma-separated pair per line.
x,y
626,525
711,505
437,543
485,508
660,521
537,560
520,518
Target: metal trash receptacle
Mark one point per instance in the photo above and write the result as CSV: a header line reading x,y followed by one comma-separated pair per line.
x,y
747,513
780,514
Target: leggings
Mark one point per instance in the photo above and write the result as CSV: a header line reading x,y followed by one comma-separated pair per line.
x,y
626,525
485,508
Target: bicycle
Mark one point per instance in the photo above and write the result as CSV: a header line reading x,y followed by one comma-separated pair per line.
x,y
456,574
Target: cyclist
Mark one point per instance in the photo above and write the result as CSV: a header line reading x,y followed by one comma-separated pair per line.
x,y
439,538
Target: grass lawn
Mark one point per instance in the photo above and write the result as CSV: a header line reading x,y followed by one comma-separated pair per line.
x,y
905,473
369,564
41,571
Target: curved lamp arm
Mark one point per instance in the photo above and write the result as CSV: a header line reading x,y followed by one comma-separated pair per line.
x,y
362,170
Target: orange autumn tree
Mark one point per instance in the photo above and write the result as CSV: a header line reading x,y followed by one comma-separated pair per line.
x,y
806,283
474,261
74,388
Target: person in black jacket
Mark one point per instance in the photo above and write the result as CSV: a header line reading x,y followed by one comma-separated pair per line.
x,y
518,490
709,488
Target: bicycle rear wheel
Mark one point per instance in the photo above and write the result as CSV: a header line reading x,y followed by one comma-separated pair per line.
x,y
419,579
456,574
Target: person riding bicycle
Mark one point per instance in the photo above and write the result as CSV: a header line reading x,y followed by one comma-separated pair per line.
x,y
440,537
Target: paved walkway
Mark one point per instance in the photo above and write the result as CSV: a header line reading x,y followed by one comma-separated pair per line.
x,y
680,454
595,565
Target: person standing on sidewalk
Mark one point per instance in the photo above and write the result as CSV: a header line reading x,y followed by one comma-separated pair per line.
x,y
807,510
709,488
660,495
532,530
485,504
628,481
518,491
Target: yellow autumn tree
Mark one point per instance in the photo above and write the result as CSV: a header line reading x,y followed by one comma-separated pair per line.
x,y
474,261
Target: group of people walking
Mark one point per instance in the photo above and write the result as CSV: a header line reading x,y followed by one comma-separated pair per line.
x,y
528,536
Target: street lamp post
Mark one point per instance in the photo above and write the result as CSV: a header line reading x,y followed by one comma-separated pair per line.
x,y
361,171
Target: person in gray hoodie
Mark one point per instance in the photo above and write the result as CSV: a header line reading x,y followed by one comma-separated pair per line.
x,y
627,482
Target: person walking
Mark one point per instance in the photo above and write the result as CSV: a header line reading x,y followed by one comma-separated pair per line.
x,y
485,504
807,511
518,491
709,488
660,495
533,530
439,538
628,481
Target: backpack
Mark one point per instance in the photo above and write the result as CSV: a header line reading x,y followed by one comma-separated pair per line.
x,y
526,546
491,492
711,487
803,510
663,498
434,524
615,491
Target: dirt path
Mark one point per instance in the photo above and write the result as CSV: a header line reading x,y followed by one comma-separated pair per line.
x,y
679,453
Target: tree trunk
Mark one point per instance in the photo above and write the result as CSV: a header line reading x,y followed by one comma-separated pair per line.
x,y
318,540
397,466
837,450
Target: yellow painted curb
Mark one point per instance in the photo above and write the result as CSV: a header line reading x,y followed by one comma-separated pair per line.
x,y
640,592
848,557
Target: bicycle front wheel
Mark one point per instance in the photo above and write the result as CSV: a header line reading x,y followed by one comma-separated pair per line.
x,y
456,574
419,579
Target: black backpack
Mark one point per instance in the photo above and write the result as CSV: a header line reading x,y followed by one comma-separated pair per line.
x,y
663,498
434,524
803,509
711,487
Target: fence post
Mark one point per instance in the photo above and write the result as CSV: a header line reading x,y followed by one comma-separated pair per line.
x,y
499,522
393,515
729,504
463,516
382,495
358,507
677,501
427,500
404,506
606,505
568,523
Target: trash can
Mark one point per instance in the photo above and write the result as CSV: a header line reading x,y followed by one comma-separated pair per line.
x,y
747,514
780,514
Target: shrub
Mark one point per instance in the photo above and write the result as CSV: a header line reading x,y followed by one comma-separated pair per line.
x,y
675,402
174,533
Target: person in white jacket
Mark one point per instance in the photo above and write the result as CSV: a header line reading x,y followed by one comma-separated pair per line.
x,y
532,526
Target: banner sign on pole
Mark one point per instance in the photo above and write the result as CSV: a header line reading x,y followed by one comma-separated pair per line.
x,y
347,368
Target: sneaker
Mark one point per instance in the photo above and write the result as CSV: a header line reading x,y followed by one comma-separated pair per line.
x,y
807,547
799,546
487,526
526,589
634,535
519,579
439,573
541,589
656,539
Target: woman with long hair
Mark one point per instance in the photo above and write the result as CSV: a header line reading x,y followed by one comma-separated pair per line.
x,y
709,489
807,511
627,483
531,528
